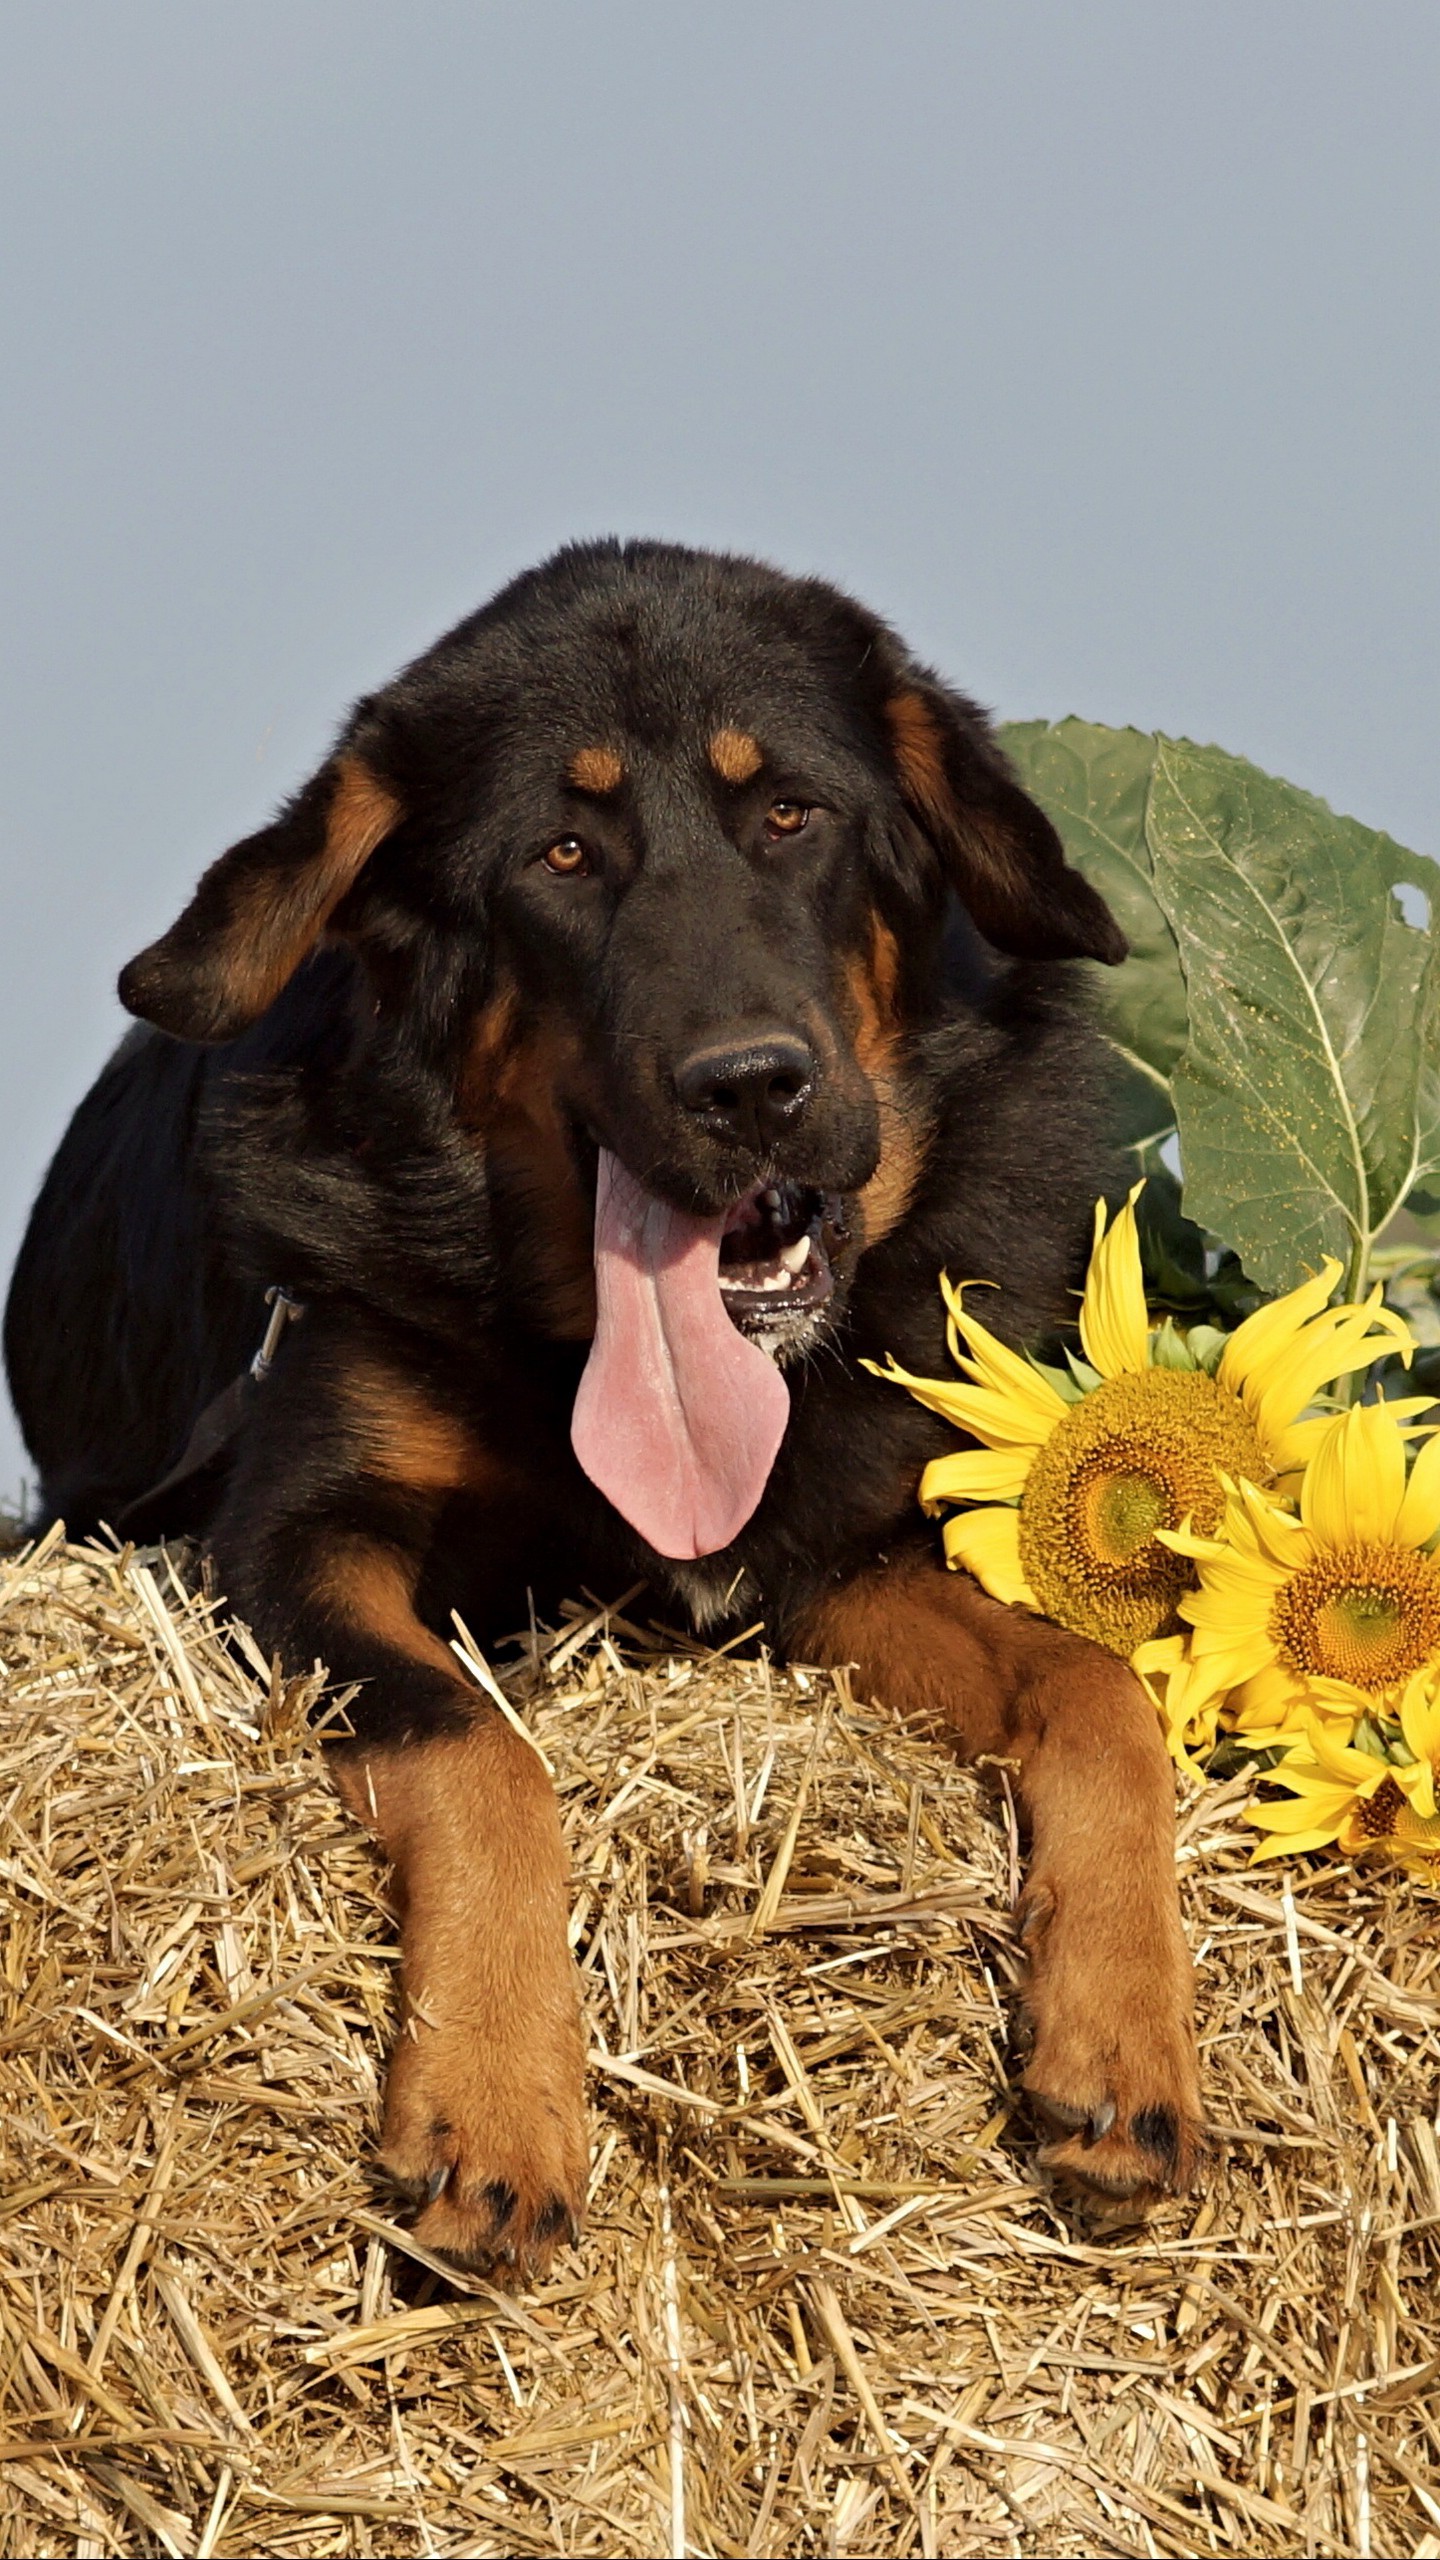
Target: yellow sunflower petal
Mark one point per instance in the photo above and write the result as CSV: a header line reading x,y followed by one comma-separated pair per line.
x,y
1266,1702
1355,1483
1114,1319
993,1365
976,1475
1330,1347
1226,1662
1338,1699
1339,1763
1417,1784
1255,1344
1256,1526
1322,1809
1163,1654
1420,1715
1186,1543
1188,1707
987,1544
1255,1547
1418,1518
1292,1450
999,1420
1290,1844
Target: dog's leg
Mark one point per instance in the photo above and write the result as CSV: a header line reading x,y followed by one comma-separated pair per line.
x,y
1108,1980
484,2106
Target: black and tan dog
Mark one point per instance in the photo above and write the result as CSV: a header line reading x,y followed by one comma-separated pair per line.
x,y
659,985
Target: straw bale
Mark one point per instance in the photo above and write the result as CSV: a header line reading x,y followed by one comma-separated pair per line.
x,y
825,2302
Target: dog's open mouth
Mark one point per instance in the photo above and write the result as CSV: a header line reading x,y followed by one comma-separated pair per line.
x,y
682,1408
775,1254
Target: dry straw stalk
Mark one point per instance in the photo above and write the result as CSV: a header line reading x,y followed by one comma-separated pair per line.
x,y
825,2303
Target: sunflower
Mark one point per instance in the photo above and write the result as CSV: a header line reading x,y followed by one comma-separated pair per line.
x,y
1374,1793
1187,1705
1331,1614
1079,1470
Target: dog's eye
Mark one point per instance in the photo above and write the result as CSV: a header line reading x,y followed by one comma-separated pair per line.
x,y
786,817
567,858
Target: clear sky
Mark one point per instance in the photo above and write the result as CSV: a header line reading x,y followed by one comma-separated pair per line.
x,y
1094,341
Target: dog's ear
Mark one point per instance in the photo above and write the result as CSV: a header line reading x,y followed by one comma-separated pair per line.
x,y
262,907
1002,855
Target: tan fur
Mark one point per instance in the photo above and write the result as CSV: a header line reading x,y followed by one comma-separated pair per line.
x,y
1108,1989
735,756
362,814
402,1437
873,985
920,757
486,2084
992,870
373,1587
485,2088
275,920
492,1039
598,770
882,1202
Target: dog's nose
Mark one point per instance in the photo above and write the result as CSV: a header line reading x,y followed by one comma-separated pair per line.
x,y
752,1091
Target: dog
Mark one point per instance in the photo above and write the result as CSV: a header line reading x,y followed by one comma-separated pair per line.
x,y
658,986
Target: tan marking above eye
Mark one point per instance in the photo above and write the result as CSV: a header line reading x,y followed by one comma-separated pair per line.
x,y
787,817
735,755
597,769
567,858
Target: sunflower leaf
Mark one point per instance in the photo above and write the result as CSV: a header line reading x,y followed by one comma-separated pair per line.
x,y
1095,784
1308,1095
1281,1005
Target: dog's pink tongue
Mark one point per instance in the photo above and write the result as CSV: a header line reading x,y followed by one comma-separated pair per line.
x,y
678,1417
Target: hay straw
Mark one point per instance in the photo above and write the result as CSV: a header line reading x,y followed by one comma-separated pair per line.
x,y
825,2304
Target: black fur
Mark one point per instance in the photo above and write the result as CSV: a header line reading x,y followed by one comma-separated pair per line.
x,y
333,1144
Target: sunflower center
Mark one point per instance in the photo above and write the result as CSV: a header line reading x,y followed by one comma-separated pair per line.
x,y
1141,1453
1121,1512
1366,1614
1373,1817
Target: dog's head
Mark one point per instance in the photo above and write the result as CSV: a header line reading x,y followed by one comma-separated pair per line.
x,y
650,859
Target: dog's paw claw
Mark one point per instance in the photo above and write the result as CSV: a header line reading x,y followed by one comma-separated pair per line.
x,y
494,2183
1155,2151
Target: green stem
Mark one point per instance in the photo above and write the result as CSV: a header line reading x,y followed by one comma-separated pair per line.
x,y
1357,1279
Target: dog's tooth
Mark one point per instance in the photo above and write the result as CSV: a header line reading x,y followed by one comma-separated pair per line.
x,y
771,1198
795,1256
754,1280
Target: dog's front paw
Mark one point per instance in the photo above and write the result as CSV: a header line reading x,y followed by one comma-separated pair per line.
x,y
489,2142
1112,2066
1118,2149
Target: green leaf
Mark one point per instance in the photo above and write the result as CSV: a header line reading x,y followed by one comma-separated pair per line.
x,y
1094,784
1308,1095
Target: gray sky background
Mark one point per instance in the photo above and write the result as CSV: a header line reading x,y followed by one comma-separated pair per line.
x,y
1094,344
